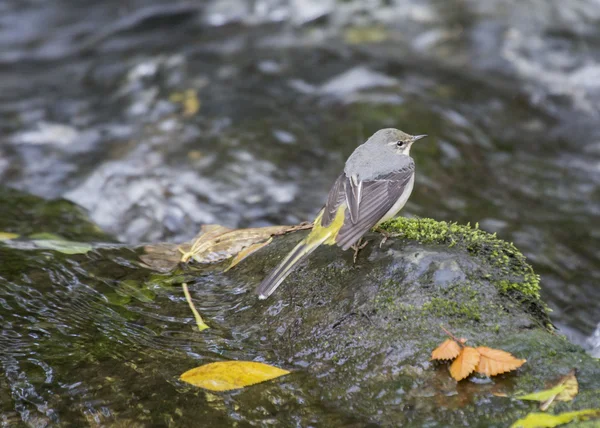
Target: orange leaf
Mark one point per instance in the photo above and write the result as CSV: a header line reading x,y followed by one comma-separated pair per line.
x,y
446,351
495,361
465,363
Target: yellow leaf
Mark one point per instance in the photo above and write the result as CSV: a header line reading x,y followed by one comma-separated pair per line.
x,y
542,395
199,321
545,420
565,389
496,361
5,236
465,363
227,375
448,350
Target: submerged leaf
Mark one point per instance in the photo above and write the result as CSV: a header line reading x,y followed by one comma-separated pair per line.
x,y
565,389
465,363
448,350
162,257
5,236
63,246
496,361
227,375
545,420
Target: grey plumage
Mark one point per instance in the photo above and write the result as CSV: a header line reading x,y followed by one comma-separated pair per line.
x,y
377,180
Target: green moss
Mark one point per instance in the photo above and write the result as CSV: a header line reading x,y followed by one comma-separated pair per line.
x,y
519,277
452,308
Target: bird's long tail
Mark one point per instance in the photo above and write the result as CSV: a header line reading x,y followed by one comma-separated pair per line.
x,y
319,235
276,277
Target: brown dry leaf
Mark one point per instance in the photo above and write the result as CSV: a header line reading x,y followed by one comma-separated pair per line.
x,y
496,361
213,244
227,375
216,243
465,363
448,350
246,252
162,257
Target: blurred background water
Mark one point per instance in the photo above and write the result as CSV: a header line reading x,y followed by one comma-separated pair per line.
x,y
158,116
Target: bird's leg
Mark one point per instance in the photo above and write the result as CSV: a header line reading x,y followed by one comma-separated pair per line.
x,y
357,247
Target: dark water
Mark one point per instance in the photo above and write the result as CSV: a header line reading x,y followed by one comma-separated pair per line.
x,y
92,108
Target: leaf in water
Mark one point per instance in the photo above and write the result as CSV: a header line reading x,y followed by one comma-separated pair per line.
x,y
227,375
465,363
5,236
448,350
495,361
199,321
545,420
135,289
162,257
47,236
565,389
63,246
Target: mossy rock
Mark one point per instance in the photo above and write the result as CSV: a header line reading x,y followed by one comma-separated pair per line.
x,y
363,333
357,337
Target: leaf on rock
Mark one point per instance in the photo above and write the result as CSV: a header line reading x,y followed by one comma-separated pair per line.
x,y
545,420
465,363
216,243
565,389
5,236
227,375
448,350
496,361
246,252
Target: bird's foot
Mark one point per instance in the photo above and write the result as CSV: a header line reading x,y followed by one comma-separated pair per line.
x,y
360,244
386,235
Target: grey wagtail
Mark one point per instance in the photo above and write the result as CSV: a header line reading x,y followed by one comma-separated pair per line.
x,y
376,183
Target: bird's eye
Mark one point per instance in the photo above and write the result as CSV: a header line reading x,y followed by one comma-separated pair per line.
x,y
400,143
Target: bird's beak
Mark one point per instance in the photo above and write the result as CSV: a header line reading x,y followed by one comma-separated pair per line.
x,y
418,137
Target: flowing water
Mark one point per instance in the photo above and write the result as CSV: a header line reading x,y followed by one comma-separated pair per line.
x,y
158,116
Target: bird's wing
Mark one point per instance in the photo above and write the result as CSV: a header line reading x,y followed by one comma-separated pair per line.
x,y
336,196
377,197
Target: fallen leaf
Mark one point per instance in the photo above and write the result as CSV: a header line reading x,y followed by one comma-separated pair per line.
x,y
246,252
565,389
63,246
5,236
216,243
465,363
496,361
448,350
227,375
199,321
162,257
545,420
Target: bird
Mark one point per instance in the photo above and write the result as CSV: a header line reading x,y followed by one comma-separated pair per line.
x,y
377,180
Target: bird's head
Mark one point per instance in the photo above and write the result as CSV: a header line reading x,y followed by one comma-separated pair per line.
x,y
396,141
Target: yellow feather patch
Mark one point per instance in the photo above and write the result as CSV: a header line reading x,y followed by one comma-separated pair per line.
x,y
330,232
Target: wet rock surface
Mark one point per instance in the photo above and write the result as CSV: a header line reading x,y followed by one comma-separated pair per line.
x,y
97,338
